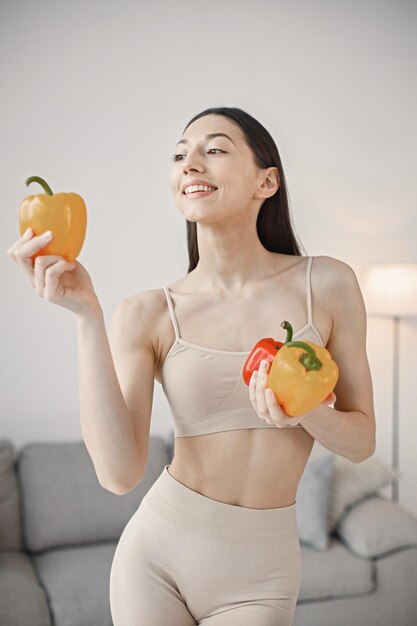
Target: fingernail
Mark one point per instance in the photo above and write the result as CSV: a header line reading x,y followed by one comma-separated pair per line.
x,y
27,232
47,234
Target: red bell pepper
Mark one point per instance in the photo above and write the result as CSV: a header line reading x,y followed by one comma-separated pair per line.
x,y
264,349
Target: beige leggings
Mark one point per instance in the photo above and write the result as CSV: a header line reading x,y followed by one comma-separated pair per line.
x,y
184,559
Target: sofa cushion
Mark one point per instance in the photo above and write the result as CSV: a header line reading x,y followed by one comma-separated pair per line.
x,y
22,599
10,532
377,527
313,495
352,482
334,573
63,502
77,583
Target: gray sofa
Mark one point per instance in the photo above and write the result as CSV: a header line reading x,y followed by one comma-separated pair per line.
x,y
59,529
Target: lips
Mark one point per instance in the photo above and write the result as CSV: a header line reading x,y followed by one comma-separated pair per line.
x,y
198,194
197,181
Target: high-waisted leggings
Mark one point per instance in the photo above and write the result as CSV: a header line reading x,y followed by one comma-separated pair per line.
x,y
184,559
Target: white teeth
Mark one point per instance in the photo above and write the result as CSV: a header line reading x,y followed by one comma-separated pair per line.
x,y
193,188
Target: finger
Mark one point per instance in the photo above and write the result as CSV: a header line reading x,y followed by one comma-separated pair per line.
x,y
261,382
15,253
52,275
277,414
41,266
252,393
27,245
330,399
23,250
25,237
252,388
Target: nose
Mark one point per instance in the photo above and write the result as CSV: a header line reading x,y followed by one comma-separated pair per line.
x,y
191,162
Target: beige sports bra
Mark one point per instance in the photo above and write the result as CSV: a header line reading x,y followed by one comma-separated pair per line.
x,y
204,387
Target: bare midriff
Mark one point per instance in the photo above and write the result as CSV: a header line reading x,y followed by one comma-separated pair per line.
x,y
253,468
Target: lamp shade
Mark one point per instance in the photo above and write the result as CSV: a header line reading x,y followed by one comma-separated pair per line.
x,y
390,289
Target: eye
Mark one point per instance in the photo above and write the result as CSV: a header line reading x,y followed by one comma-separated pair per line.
x,y
175,157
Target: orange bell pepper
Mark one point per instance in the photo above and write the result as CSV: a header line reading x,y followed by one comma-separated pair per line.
x,y
302,375
65,214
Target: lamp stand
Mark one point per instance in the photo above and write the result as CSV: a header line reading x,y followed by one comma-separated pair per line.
x,y
395,412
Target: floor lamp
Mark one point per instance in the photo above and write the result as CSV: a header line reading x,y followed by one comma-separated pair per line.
x,y
391,291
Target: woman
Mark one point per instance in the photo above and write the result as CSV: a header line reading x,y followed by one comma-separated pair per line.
x,y
214,541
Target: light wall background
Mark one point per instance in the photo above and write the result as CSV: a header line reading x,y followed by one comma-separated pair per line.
x,y
94,96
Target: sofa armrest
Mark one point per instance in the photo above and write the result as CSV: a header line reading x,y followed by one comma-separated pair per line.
x,y
376,527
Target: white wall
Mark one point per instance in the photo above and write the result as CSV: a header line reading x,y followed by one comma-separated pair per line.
x,y
94,96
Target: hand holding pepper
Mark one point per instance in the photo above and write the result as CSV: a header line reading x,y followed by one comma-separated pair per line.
x,y
52,277
265,403
302,374
45,260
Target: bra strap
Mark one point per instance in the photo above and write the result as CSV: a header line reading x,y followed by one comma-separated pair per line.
x,y
171,312
308,290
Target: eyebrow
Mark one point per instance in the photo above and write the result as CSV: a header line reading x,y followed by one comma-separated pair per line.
x,y
210,136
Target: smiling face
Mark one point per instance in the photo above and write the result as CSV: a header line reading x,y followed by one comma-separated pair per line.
x,y
224,162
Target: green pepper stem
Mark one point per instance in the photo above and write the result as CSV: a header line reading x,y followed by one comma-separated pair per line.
x,y
309,360
289,330
44,184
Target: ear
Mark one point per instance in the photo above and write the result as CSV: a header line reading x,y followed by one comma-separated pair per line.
x,y
269,182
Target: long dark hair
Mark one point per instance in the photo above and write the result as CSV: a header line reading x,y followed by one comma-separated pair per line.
x,y
273,224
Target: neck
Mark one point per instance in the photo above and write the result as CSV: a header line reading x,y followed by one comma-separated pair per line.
x,y
231,259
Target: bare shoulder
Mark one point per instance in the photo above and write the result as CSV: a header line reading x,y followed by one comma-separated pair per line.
x,y
150,300
140,314
332,273
339,288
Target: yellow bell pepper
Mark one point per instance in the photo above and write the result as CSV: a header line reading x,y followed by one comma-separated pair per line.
x,y
65,214
302,375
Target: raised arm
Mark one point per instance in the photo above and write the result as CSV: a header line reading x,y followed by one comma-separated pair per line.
x,y
116,379
116,384
349,428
